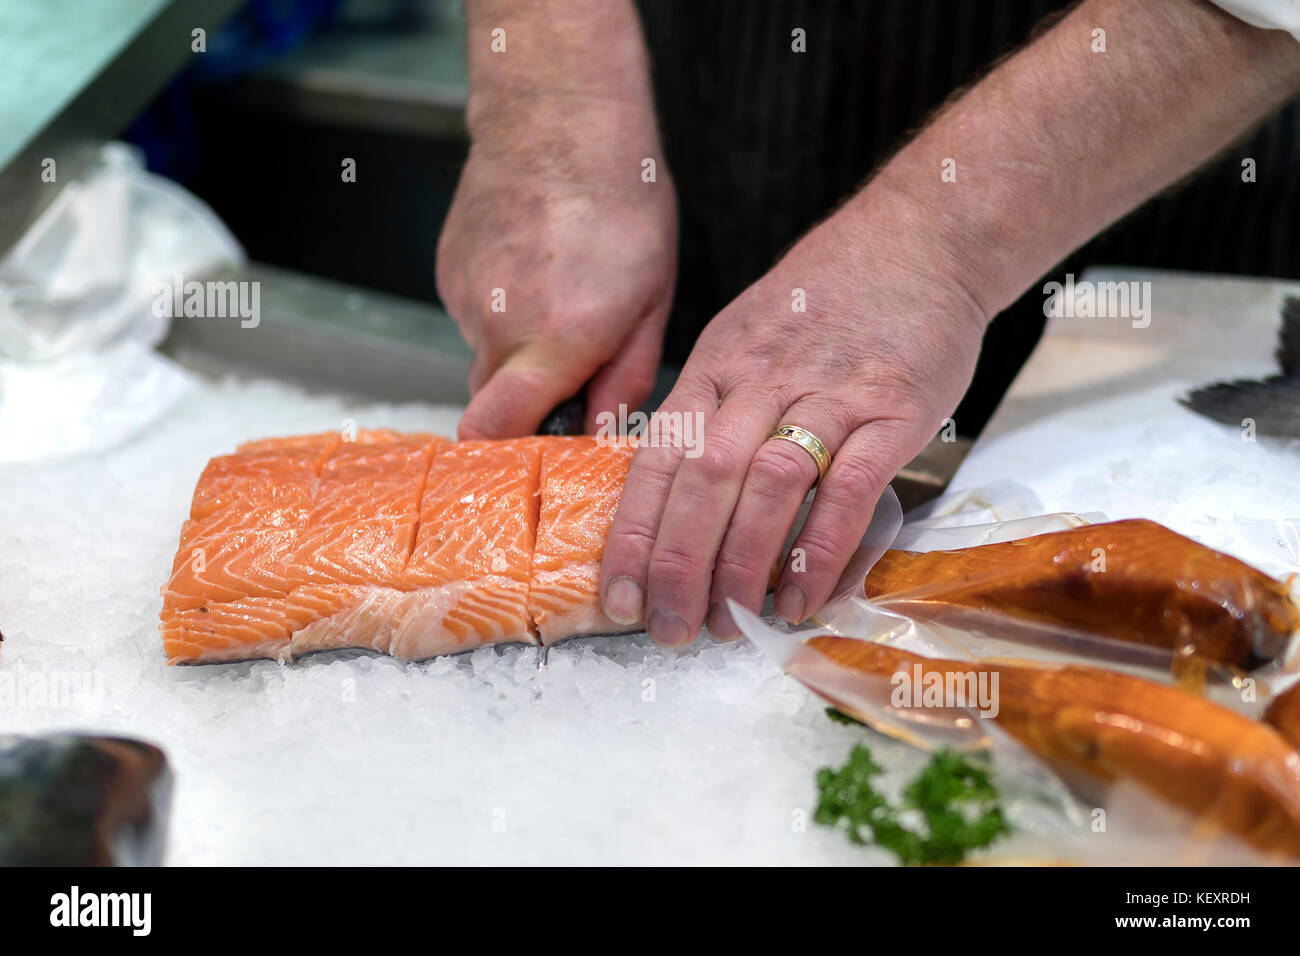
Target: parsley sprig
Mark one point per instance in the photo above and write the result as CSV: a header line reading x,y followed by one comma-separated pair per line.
x,y
955,799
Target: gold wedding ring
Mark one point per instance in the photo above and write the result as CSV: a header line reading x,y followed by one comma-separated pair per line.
x,y
808,442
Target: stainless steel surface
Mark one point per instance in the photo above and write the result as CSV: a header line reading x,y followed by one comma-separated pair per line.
x,y
327,336
75,73
927,475
413,83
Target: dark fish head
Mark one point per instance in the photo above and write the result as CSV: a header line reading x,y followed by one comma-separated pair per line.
x,y
71,800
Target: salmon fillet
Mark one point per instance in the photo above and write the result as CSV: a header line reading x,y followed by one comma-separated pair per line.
x,y
408,545
581,482
1129,580
1226,769
288,532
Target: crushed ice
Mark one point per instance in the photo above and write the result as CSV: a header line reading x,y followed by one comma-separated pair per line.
x,y
616,751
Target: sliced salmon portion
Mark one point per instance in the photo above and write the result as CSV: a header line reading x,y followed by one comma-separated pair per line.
x,y
403,544
478,518
580,485
248,512
463,578
263,474
362,523
420,623
252,627
283,533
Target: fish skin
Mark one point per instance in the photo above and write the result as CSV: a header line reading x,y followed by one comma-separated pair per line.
x,y
1226,769
1272,403
1157,588
407,545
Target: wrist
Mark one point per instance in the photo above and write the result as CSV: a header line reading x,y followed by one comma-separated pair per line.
x,y
583,56
497,114
906,229
563,138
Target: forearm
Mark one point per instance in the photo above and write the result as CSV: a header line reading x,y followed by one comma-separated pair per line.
x,y
560,57
1060,141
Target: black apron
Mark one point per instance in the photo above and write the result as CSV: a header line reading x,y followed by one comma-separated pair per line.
x,y
763,142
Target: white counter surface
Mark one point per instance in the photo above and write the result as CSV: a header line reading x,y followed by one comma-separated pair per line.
x,y
1092,422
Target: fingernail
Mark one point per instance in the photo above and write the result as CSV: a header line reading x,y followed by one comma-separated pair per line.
x,y
791,603
720,623
667,628
623,601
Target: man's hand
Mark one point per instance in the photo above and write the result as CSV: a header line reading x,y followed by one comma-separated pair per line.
x,y
1055,144
882,353
584,254
558,257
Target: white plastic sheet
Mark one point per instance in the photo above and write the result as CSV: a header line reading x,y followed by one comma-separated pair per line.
x,y
77,368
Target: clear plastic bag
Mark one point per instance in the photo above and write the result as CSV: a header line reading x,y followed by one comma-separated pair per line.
x,y
1176,778
1132,592
1161,798
78,322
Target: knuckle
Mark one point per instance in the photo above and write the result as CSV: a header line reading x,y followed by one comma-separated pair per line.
x,y
842,413
778,471
637,382
856,481
822,552
694,388
563,328
720,460
673,565
694,497
629,537
525,378
848,415
735,569
656,463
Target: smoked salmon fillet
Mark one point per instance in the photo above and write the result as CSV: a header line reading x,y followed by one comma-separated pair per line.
x,y
1129,580
1283,714
405,544
1227,770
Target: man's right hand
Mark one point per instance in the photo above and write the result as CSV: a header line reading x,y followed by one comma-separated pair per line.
x,y
557,259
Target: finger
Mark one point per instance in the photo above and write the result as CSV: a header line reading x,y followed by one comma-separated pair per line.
x,y
466,314
481,368
629,377
631,539
695,519
841,511
779,478
514,400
